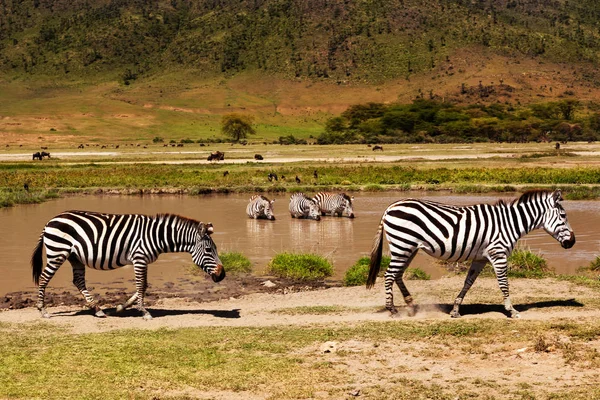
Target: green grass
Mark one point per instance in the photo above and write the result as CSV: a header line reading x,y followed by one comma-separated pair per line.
x,y
147,364
300,266
526,264
235,262
357,274
416,274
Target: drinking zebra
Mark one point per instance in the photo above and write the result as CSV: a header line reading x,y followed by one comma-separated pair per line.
x,y
334,204
479,233
260,207
302,206
109,241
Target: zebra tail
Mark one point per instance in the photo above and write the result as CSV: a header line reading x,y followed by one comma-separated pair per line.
x,y
376,253
37,260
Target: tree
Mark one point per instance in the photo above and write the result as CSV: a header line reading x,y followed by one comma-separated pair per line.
x,y
237,126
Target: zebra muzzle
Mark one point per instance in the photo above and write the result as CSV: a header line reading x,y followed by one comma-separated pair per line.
x,y
567,244
219,274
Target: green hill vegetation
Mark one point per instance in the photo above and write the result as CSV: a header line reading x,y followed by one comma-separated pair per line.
x,y
133,69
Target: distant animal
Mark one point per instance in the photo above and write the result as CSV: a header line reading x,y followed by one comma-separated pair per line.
x,y
380,148
315,174
225,173
258,157
81,146
109,241
557,146
45,154
272,176
37,156
282,177
202,145
216,156
479,233
44,148
117,146
334,204
259,207
302,206
179,144
298,179
26,186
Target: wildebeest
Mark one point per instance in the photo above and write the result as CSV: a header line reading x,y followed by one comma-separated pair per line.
x,y
216,156
271,176
225,173
298,179
45,154
258,157
81,146
37,155
380,148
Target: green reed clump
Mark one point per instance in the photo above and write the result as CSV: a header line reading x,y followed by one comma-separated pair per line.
x,y
526,264
416,274
357,274
235,262
300,266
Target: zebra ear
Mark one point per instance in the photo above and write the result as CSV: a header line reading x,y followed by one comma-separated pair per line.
x,y
272,201
209,228
557,195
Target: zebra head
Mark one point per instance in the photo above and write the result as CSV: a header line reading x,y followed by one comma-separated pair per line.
x,y
314,212
268,209
347,205
205,253
555,222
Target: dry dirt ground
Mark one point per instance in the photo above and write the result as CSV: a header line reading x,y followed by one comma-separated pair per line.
x,y
504,364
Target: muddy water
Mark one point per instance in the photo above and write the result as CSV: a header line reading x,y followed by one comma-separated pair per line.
x,y
340,239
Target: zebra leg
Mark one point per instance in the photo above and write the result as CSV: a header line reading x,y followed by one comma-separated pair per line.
x,y
53,263
474,270
141,284
501,269
394,273
128,303
79,282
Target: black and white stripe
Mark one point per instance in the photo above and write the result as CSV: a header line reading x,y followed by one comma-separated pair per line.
x,y
334,204
479,233
302,206
259,207
109,241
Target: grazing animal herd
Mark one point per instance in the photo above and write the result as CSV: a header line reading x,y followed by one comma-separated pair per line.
x,y
479,233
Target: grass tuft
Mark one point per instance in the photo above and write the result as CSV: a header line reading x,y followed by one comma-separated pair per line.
x,y
416,274
357,274
235,262
526,264
300,266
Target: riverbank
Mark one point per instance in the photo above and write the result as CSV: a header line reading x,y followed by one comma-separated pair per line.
x,y
327,344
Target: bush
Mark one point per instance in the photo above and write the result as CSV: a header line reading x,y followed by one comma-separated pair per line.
x,y
235,263
158,139
525,264
357,274
416,274
300,266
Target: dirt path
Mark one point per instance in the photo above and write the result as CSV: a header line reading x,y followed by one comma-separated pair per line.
x,y
536,299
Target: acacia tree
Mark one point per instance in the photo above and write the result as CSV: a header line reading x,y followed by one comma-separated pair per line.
x,y
237,126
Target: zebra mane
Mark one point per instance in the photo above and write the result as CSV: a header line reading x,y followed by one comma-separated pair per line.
x,y
175,217
526,197
345,196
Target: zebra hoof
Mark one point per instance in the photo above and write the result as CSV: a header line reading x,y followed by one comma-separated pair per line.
x,y
45,314
411,311
100,314
120,308
515,315
455,314
147,316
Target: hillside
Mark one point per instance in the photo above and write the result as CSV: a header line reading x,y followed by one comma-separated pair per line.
x,y
176,66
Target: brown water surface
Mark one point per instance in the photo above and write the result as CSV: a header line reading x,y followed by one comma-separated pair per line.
x,y
342,240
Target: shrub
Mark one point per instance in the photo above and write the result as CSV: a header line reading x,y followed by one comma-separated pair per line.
x,y
300,266
158,139
416,274
357,274
526,264
235,262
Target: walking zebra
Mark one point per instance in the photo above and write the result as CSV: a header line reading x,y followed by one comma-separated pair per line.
x,y
479,233
109,241
302,206
260,207
334,204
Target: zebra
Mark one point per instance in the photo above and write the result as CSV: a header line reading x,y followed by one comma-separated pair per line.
x,y
334,204
109,241
302,206
259,207
479,233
